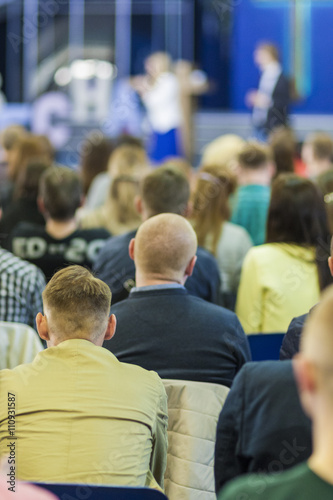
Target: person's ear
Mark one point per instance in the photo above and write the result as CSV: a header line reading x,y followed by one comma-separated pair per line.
x,y
306,381
42,327
190,267
330,264
41,205
138,204
131,247
187,211
272,169
111,328
82,200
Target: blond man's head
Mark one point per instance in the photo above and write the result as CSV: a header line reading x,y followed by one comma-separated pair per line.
x,y
76,305
223,151
164,248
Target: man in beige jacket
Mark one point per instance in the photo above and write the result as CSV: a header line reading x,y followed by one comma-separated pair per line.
x,y
76,414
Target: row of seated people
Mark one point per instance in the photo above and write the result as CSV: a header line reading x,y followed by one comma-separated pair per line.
x,y
107,413
81,389
151,299
268,296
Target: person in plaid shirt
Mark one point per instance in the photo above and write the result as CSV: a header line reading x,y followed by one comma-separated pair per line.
x,y
21,287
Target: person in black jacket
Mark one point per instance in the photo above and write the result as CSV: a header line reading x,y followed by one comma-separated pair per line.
x,y
291,340
290,344
271,100
160,326
262,427
165,190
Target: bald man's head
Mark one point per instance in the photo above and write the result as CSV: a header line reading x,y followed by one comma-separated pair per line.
x,y
317,337
165,245
313,366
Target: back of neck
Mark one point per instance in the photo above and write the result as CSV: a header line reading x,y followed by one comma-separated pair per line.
x,y
60,229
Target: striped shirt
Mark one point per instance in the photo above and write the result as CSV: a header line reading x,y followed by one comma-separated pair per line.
x,y
21,287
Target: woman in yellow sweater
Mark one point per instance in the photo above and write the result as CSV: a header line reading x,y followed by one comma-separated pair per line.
x,y
283,278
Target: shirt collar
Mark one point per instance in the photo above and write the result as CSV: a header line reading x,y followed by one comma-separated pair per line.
x,y
149,288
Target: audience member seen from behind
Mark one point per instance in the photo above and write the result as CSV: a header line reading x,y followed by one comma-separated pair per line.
x,y
313,371
24,208
165,190
277,434
94,156
21,289
317,153
9,137
27,148
223,151
110,418
61,241
228,242
251,200
20,147
124,158
118,214
178,335
283,278
283,146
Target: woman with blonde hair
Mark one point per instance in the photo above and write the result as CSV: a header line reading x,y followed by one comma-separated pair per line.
x,y
127,165
223,151
228,242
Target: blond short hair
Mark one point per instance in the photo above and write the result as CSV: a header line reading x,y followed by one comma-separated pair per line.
x,y
78,303
223,150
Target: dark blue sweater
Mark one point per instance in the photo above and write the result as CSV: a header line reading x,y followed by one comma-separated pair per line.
x,y
262,427
179,336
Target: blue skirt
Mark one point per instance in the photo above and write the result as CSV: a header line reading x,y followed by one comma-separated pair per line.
x,y
160,146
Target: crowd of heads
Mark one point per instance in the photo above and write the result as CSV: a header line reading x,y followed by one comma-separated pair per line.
x,y
297,204
300,210
175,208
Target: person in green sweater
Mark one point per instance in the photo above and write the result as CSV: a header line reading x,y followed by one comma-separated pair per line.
x,y
313,370
255,170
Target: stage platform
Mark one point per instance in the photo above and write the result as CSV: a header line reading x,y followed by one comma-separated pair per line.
x,y
209,125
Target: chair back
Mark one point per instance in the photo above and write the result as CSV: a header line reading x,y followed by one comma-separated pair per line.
x,y
19,344
96,492
193,409
265,346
